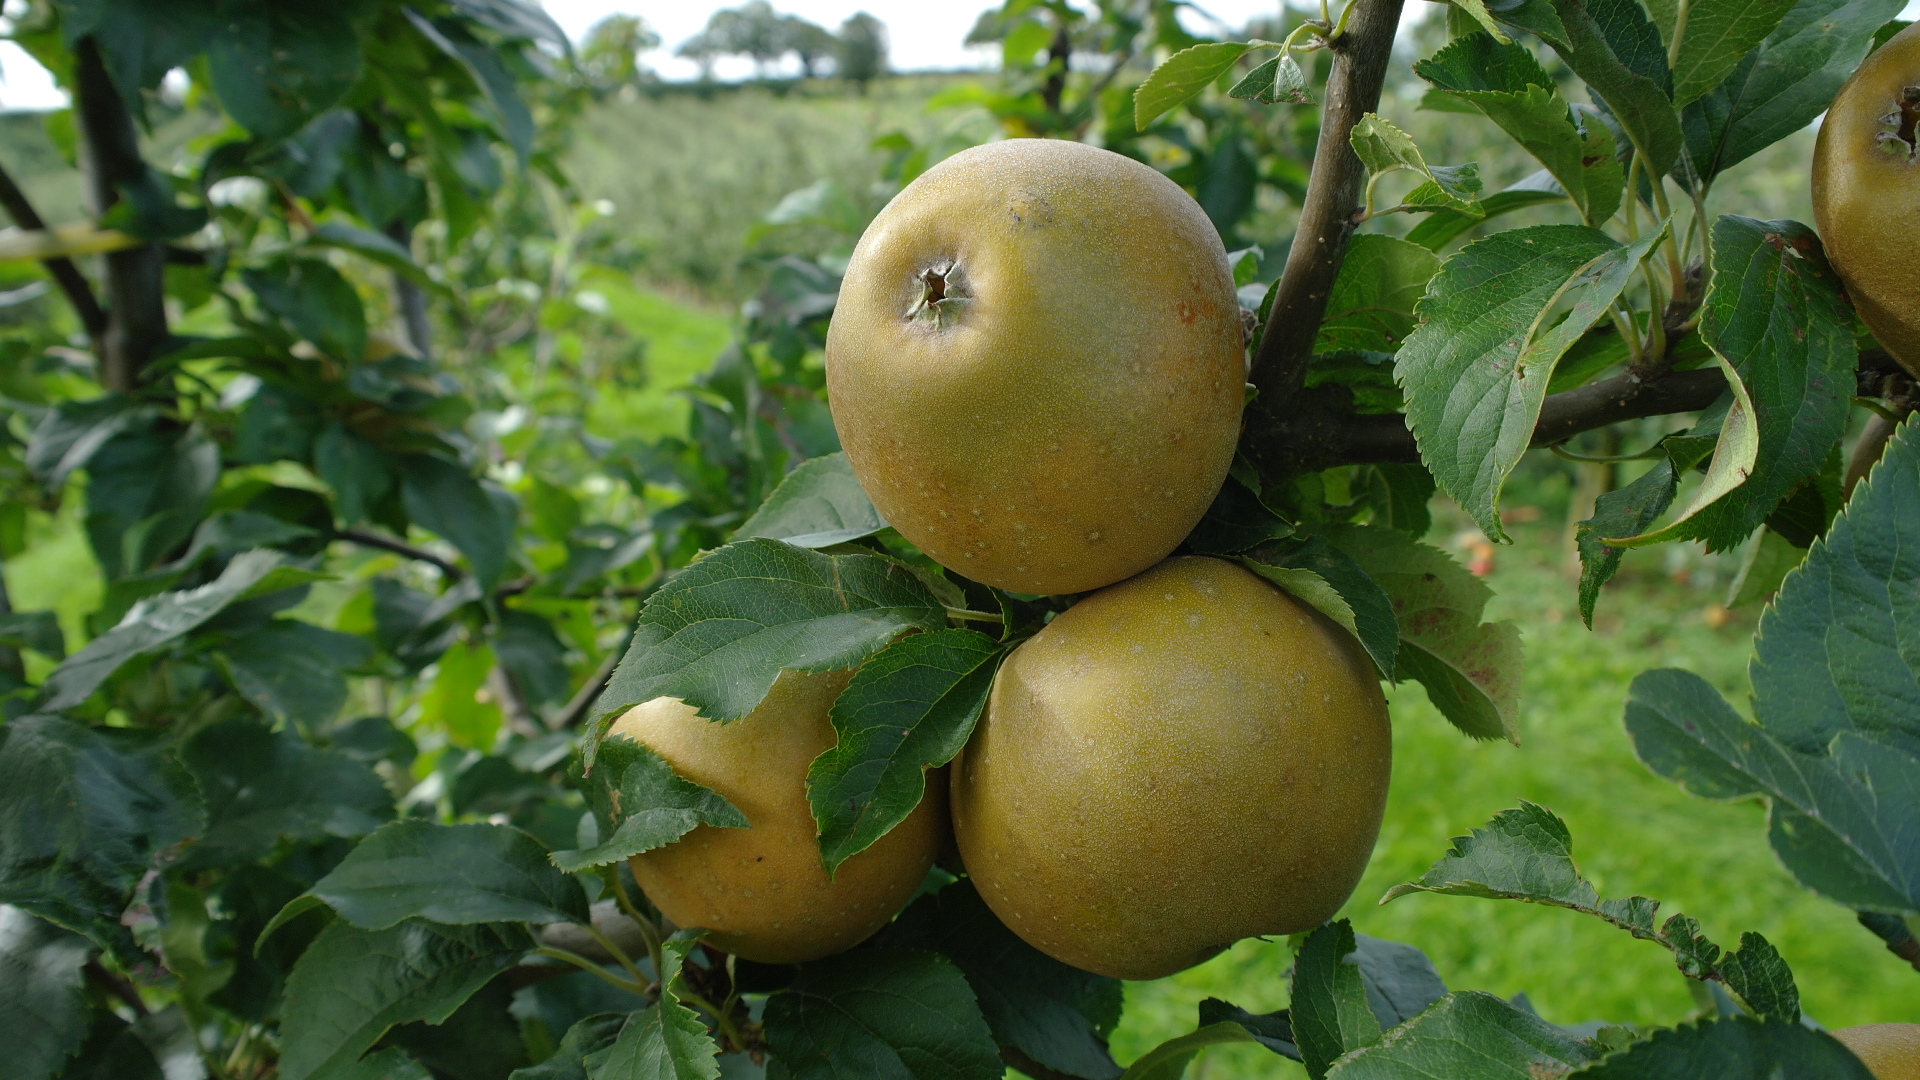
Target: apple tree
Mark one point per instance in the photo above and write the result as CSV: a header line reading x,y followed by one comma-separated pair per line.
x,y
237,843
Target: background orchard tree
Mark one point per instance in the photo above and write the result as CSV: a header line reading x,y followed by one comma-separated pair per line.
x,y
325,350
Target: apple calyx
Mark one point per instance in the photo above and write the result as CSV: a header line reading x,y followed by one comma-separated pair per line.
x,y
943,295
1900,137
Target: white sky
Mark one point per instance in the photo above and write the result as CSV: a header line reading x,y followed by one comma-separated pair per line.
x,y
923,35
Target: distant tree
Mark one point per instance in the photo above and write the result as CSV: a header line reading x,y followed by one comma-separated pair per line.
x,y
703,50
610,58
862,52
810,42
752,30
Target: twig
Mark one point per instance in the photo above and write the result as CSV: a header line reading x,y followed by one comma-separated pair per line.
x,y
400,547
583,698
1866,452
65,274
1327,216
1893,930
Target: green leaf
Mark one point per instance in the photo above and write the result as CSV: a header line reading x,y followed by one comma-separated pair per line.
x,y
1279,81
43,1001
310,296
1527,854
1055,1014
114,1051
1399,979
68,434
1170,1059
351,985
1476,371
261,785
354,468
1398,494
1733,457
1786,83
445,498
1471,669
1829,655
587,1036
1383,148
1332,583
1272,1030
1477,10
1769,558
636,795
1330,1013
1508,85
1839,819
1468,1036
819,504
155,624
1371,307
147,489
1761,977
1779,315
516,18
1717,36
719,633
908,709
1735,1048
36,630
1614,47
1442,226
377,247
1183,76
292,670
389,1064
276,66
488,71
84,813
141,40
1236,521
880,1012
1631,510
665,1042
451,874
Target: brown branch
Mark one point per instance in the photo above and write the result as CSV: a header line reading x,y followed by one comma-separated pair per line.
x,y
114,986
1893,930
1361,55
65,274
400,547
136,329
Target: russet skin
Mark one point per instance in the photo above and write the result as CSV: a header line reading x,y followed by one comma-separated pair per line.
x,y
1890,1051
1177,762
1037,365
1866,193
762,890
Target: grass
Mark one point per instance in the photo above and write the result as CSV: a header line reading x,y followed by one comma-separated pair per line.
x,y
1633,833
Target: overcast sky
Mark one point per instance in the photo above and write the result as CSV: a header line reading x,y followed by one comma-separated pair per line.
x,y
923,34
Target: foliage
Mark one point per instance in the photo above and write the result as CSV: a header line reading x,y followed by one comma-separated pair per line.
x,y
237,842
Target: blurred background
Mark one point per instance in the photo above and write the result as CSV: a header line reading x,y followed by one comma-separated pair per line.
x,y
712,166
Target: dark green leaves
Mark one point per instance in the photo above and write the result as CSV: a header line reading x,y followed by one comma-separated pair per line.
x,y
36,630
1329,1012
1476,371
1527,854
84,813
1055,1014
445,498
1736,1048
1629,511
456,874
43,1008
1468,1036
1840,819
1778,314
314,299
908,709
1508,85
1279,81
1326,578
1170,1059
261,785
586,1037
1371,307
665,1042
641,804
719,633
880,1012
276,66
818,505
162,620
1184,75
1785,83
292,670
1614,47
351,985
